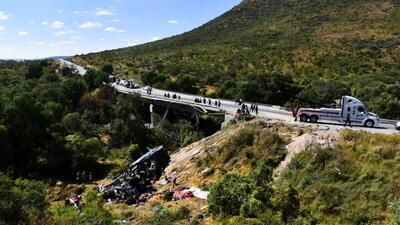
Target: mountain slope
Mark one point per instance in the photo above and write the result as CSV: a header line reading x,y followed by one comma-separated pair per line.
x,y
323,45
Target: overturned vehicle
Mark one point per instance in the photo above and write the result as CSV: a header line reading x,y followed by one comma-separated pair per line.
x,y
135,183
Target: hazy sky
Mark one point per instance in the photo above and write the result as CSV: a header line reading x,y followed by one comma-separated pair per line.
x,y
42,28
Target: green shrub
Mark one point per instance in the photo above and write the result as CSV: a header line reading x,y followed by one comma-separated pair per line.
x,y
228,195
350,184
240,220
22,201
286,201
168,195
237,142
166,216
134,152
91,213
252,208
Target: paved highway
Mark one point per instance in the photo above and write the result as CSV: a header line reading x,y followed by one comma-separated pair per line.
x,y
229,106
79,69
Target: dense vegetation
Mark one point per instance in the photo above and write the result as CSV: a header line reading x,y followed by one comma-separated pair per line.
x,y
54,123
355,182
320,49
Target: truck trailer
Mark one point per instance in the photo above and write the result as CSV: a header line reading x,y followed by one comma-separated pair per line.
x,y
349,106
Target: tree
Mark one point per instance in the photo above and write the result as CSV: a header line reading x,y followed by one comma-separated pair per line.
x,y
35,70
72,122
66,71
228,195
6,152
108,69
27,132
386,104
286,200
73,89
84,151
22,201
95,79
187,84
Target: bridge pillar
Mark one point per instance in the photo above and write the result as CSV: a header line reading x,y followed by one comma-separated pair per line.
x,y
151,116
228,118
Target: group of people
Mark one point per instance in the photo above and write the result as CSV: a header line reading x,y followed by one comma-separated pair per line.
x,y
217,103
254,108
84,177
245,110
174,96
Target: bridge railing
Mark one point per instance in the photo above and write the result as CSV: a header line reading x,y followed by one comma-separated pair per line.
x,y
153,97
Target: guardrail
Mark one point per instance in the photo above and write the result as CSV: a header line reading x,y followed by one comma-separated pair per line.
x,y
194,104
387,121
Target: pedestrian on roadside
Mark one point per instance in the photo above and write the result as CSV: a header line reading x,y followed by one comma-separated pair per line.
x,y
348,121
256,109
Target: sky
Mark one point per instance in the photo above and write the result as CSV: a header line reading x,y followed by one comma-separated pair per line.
x,y
32,29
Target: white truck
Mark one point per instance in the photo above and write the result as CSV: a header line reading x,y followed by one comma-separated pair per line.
x,y
351,106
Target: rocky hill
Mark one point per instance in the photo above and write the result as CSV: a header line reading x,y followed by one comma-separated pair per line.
x,y
329,48
267,172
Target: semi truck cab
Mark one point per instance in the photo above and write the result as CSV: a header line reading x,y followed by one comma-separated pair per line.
x,y
358,112
349,106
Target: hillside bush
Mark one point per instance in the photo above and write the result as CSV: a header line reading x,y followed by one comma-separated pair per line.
x,y
167,216
22,201
356,180
229,194
92,212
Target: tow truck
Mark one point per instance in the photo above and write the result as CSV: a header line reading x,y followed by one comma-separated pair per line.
x,y
351,106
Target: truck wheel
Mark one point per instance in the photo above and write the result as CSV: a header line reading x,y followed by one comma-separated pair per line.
x,y
369,123
303,118
314,119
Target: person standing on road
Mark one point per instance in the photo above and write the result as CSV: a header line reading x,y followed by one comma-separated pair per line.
x,y
256,109
348,121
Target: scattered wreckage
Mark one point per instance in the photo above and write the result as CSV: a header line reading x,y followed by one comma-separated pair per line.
x,y
135,183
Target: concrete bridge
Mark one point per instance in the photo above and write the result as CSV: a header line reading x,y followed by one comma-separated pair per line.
x,y
226,107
